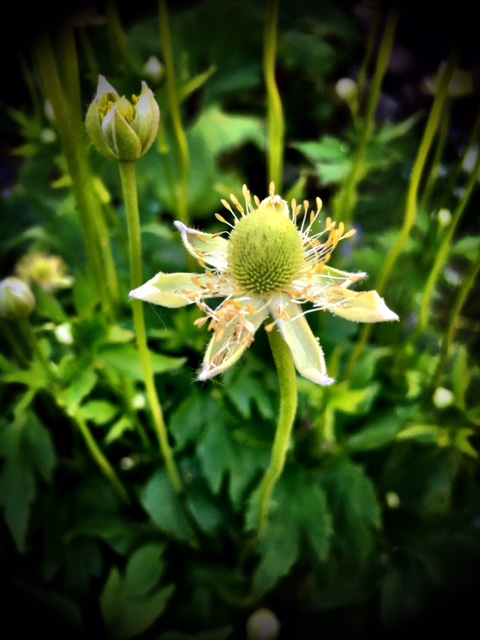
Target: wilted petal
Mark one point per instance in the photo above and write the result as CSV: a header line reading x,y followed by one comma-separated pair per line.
x,y
175,290
306,351
229,342
358,306
206,247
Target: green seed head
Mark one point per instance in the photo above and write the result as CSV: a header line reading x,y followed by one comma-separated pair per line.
x,y
265,251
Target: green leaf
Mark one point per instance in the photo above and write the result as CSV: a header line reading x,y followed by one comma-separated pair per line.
x,y
98,411
301,513
33,377
352,401
124,359
332,158
165,509
246,390
377,435
28,451
79,387
190,418
354,506
130,603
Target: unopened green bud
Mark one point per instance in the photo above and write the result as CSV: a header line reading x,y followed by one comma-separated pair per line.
x,y
121,129
16,299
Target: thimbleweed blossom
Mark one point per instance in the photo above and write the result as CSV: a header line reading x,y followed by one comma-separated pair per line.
x,y
16,299
267,266
49,272
121,129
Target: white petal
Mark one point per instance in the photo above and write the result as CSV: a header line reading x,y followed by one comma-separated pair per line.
x,y
358,306
206,247
179,289
231,338
306,351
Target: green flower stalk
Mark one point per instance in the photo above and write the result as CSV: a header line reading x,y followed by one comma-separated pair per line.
x,y
268,266
121,129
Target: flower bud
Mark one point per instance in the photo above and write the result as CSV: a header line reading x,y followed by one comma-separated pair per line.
x,y
121,129
346,89
16,299
263,624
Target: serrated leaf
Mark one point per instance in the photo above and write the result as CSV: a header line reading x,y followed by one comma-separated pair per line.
x,y
165,509
190,418
216,452
129,602
39,448
354,506
28,451
298,511
206,513
17,492
125,359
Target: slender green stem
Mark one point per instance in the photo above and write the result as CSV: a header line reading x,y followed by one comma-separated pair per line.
x,y
98,455
174,105
129,188
437,158
288,407
412,198
369,51
442,253
467,285
73,143
347,197
276,122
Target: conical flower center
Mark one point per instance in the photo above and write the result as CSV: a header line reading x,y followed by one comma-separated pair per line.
x,y
265,252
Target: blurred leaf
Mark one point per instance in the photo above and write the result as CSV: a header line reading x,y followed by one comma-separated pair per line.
x,y
246,390
423,432
298,512
190,418
28,452
98,411
331,157
130,603
125,359
214,634
352,401
354,505
79,387
376,435
165,508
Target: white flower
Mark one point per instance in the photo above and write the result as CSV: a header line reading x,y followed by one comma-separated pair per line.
x,y
267,266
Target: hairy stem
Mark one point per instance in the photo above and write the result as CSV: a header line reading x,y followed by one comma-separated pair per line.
x,y
288,407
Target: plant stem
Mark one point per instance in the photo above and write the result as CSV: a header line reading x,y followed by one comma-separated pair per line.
x,y
369,51
412,198
288,407
98,455
347,197
129,188
71,133
276,122
174,105
467,285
